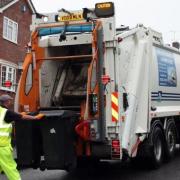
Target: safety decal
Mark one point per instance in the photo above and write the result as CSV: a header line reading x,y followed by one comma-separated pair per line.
x,y
114,106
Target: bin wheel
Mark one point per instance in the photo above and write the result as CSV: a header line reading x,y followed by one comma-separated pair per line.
x,y
171,138
42,166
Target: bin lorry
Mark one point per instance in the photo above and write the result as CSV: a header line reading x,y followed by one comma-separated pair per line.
x,y
107,93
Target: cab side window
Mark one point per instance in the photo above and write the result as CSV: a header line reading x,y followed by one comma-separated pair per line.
x,y
29,79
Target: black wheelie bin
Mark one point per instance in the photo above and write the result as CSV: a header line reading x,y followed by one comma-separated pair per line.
x,y
58,137
28,143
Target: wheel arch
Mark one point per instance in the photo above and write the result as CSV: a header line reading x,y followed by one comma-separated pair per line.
x,y
158,122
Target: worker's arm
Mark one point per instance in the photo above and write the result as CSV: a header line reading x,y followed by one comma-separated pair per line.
x,y
13,116
28,117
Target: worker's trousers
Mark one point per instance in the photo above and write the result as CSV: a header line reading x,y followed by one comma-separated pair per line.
x,y
8,164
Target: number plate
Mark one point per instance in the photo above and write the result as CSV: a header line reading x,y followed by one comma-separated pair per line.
x,y
73,17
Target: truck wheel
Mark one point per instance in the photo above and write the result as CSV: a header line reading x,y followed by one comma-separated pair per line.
x,y
87,162
171,137
157,153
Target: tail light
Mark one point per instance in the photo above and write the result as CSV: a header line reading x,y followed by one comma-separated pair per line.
x,y
105,79
115,149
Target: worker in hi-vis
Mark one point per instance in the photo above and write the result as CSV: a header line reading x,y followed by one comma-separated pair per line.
x,y
7,162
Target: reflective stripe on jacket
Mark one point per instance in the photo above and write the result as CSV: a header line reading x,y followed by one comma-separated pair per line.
x,y
5,129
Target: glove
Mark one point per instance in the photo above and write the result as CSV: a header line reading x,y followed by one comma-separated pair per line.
x,y
23,113
39,116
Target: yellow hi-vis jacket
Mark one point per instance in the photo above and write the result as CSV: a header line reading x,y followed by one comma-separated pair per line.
x,y
5,129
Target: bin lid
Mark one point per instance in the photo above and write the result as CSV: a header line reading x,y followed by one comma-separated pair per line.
x,y
59,113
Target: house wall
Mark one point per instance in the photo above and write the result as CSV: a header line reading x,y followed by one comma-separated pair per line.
x,y
8,50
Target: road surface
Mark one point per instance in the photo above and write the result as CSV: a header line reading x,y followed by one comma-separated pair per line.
x,y
115,171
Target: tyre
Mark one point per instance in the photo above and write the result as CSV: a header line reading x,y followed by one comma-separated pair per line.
x,y
171,138
157,152
87,162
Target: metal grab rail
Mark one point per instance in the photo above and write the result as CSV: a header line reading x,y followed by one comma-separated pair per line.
x,y
62,58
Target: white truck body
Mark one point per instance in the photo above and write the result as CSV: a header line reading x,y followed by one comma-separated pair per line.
x,y
148,72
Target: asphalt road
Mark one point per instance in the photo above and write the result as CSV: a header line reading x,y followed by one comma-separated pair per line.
x,y
108,171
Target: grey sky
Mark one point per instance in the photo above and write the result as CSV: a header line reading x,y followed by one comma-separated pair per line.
x,y
161,15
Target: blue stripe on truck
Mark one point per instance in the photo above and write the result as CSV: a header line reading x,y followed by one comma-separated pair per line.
x,y
161,96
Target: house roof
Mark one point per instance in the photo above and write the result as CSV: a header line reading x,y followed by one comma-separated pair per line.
x,y
31,6
4,4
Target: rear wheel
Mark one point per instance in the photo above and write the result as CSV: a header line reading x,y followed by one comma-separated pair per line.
x,y
171,138
87,162
157,151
